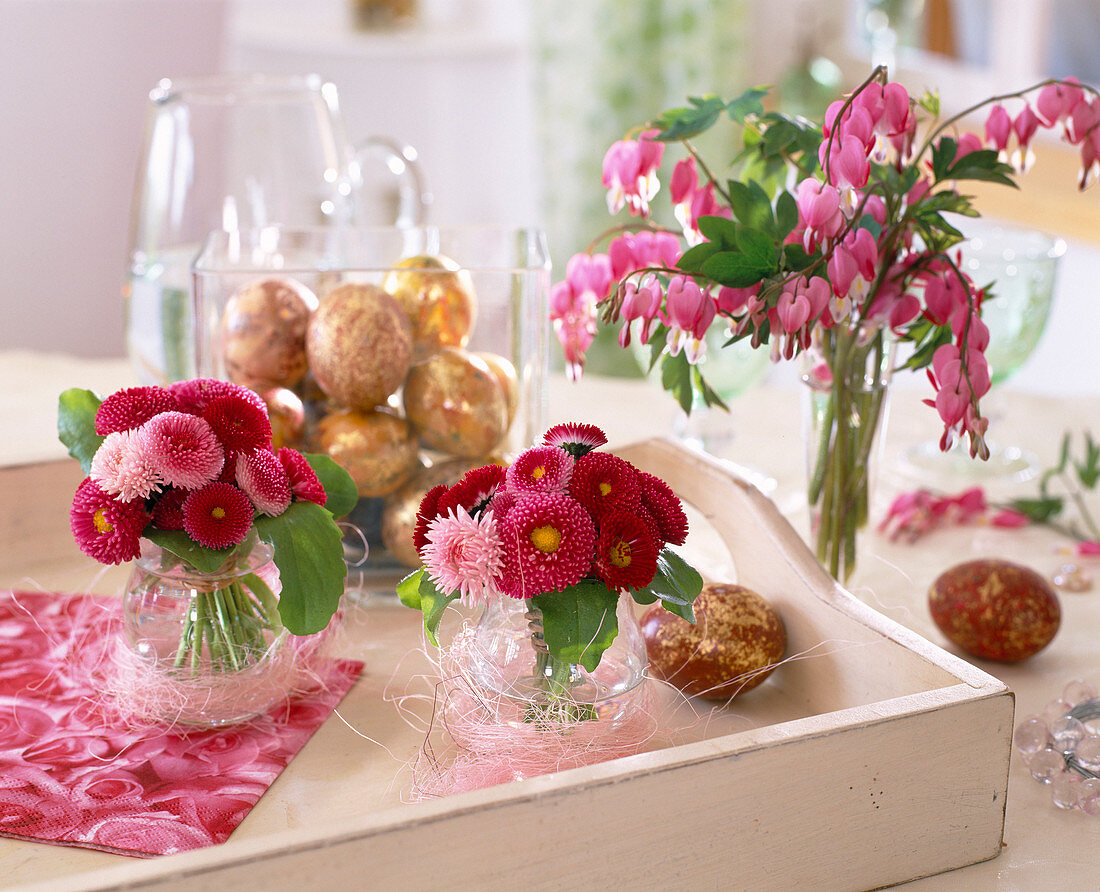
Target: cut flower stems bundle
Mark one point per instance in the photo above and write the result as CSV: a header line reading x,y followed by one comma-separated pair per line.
x,y
563,529
830,241
191,470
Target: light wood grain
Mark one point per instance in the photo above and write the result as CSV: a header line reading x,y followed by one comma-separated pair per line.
x,y
857,764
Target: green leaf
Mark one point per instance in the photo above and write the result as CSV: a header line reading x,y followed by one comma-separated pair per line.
x,y
786,214
579,622
408,589
748,103
737,268
684,123
177,542
310,558
76,410
692,259
676,379
340,492
676,583
719,231
751,205
795,257
1038,510
433,604
709,394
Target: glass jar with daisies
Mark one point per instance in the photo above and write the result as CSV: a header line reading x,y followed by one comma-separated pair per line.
x,y
234,544
557,548
835,242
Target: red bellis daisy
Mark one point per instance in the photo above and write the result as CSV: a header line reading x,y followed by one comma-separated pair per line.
x,y
239,423
548,540
217,516
105,528
131,407
626,553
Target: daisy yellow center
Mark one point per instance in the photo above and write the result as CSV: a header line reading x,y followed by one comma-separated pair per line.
x,y
546,539
218,513
102,525
539,472
620,554
605,489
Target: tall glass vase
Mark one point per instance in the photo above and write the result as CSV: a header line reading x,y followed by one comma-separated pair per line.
x,y
847,376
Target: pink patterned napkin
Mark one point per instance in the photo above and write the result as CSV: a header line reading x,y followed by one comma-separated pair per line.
x,y
71,775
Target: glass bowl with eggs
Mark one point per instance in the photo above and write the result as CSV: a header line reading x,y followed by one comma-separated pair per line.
x,y
408,355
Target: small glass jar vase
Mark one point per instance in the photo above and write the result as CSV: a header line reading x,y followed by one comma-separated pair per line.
x,y
202,648
512,669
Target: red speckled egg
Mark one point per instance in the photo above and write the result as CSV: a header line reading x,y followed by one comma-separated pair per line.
x,y
995,609
734,645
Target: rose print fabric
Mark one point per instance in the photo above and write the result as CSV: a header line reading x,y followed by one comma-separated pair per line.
x,y
70,775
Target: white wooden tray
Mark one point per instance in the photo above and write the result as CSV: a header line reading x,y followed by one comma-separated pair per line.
x,y
875,759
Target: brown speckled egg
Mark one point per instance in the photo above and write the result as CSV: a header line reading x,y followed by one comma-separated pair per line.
x,y
438,297
288,416
455,403
359,345
376,447
734,645
400,507
995,610
264,333
507,378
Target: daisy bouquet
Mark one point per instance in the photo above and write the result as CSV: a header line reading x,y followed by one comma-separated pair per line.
x,y
565,528
191,468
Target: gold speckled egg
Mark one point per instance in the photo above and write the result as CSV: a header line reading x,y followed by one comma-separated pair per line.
x,y
438,297
399,510
455,403
377,447
264,333
736,642
288,416
507,378
359,345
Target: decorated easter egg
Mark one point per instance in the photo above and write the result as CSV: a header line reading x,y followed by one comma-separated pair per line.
x,y
734,645
264,333
359,345
995,610
288,416
376,447
400,507
438,297
507,378
455,403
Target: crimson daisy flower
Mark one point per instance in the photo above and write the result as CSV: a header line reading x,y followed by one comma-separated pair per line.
x,y
218,515
195,395
575,438
626,553
603,482
665,508
305,485
240,424
474,490
168,510
183,448
131,407
541,469
548,539
262,477
106,528
425,514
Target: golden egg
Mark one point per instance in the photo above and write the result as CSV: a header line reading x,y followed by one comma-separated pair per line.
x,y
400,507
506,376
288,416
377,447
359,345
264,333
455,404
438,297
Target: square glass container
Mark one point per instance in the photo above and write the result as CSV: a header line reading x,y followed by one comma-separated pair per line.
x,y
409,355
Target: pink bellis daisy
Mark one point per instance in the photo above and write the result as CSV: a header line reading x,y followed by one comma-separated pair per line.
x,y
464,554
541,469
264,480
131,407
217,516
240,424
548,544
121,466
183,448
626,552
105,528
305,485
575,438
